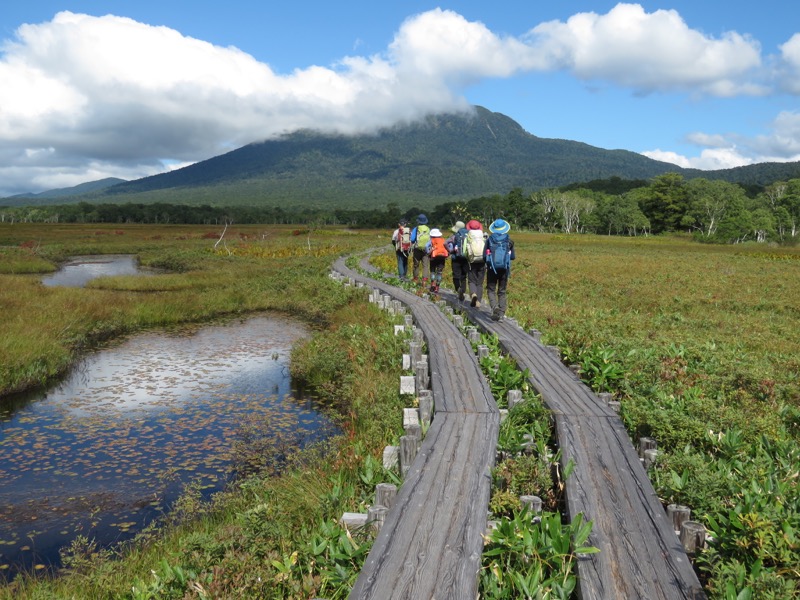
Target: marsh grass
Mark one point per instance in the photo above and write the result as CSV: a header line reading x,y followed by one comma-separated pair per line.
x,y
254,268
266,536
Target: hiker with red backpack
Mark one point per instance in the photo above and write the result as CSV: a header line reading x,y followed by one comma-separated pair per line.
x,y
420,236
458,260
401,239
477,268
498,255
438,255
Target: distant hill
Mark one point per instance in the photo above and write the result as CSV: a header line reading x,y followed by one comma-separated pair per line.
x,y
444,158
78,190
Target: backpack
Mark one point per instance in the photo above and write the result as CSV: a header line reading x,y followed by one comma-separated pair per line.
x,y
459,241
473,248
498,252
423,236
403,243
437,248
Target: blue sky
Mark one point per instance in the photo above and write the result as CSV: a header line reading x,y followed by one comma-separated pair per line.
x,y
99,89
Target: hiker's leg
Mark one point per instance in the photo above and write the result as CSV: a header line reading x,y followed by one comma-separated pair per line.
x,y
502,284
491,288
402,262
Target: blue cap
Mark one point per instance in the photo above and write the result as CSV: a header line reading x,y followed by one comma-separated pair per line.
x,y
422,220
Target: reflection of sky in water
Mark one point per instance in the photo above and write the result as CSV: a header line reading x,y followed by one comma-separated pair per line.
x,y
81,269
133,423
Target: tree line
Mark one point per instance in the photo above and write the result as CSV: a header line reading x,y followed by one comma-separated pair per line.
x,y
711,210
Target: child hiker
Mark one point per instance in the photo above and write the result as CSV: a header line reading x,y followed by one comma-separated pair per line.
x,y
438,255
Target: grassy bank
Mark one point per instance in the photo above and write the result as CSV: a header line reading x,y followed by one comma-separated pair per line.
x,y
268,536
251,268
701,345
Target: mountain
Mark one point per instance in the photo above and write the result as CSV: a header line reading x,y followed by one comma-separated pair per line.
x,y
444,158
78,190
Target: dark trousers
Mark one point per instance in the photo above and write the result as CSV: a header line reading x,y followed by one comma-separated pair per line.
x,y
496,284
420,258
437,268
476,272
460,274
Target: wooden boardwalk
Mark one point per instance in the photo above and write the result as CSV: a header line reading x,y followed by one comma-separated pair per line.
x,y
431,543
640,554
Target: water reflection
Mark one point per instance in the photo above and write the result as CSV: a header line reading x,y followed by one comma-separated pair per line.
x,y
109,449
81,269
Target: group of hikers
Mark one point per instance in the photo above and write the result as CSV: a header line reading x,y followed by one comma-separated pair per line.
x,y
475,256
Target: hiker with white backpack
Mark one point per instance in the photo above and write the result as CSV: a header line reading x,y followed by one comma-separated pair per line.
x,y
477,267
498,255
455,245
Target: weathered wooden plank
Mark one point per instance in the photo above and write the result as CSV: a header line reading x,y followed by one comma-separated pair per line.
x,y
430,544
640,555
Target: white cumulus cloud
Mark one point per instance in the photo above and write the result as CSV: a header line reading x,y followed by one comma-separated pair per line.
x,y
85,97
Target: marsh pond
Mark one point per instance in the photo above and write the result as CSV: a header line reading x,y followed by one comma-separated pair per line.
x,y
109,450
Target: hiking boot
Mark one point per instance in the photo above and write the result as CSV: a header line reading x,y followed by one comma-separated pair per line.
x,y
497,314
474,302
460,296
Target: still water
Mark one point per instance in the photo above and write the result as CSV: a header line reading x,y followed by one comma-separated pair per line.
x,y
110,449
79,270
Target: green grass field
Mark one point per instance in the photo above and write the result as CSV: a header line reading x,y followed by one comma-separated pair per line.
x,y
700,343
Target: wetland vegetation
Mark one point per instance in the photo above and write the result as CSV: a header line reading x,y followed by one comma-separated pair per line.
x,y
699,343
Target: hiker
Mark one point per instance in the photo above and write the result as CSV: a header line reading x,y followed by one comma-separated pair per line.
x,y
498,255
458,261
477,268
401,238
438,255
420,236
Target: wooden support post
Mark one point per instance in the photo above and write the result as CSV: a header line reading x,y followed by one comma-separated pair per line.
x,y
646,443
458,321
693,536
414,430
425,407
408,452
421,371
410,417
350,520
409,321
417,335
678,514
514,398
503,414
391,457
385,494
415,349
483,351
408,384
605,397
535,334
554,351
406,362
399,329
448,310
576,369
650,456
534,503
376,515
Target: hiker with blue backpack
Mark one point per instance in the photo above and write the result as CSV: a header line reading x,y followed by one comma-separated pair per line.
x,y
420,236
497,255
458,259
